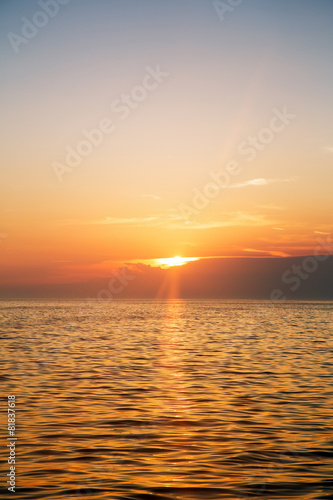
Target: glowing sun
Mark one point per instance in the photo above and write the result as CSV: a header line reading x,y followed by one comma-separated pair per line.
x,y
175,261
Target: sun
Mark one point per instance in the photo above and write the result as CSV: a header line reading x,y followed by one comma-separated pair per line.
x,y
175,261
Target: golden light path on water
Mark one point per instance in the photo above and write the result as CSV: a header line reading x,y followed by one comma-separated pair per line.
x,y
174,403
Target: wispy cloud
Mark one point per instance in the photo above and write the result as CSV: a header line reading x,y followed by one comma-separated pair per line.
x,y
267,252
260,181
133,221
171,220
230,220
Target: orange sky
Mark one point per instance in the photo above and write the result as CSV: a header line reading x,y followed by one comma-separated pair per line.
x,y
194,139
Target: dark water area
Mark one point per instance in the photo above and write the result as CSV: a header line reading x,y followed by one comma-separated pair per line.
x,y
161,400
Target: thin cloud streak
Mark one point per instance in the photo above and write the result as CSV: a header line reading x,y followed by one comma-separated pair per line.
x,y
229,219
267,252
134,221
260,181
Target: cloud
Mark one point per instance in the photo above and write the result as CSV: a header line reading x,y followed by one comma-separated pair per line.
x,y
230,220
171,220
273,253
260,181
133,221
252,182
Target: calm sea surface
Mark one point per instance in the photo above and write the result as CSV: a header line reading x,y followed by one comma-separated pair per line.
x,y
168,400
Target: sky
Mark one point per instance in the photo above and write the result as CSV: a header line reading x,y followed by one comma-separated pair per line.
x,y
136,130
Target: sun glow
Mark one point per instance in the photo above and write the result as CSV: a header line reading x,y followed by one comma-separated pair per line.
x,y
175,261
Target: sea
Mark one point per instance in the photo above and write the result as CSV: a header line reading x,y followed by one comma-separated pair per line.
x,y
167,399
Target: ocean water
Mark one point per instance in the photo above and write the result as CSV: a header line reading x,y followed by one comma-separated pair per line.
x,y
158,400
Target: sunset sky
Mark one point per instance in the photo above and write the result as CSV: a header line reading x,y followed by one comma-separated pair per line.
x,y
182,93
